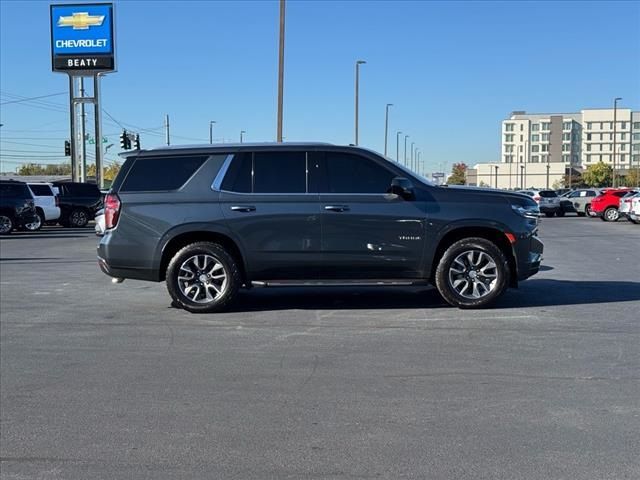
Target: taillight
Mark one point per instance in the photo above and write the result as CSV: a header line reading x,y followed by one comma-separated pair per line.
x,y
536,198
57,200
111,210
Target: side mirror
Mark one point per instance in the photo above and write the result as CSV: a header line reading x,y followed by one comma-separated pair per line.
x,y
403,188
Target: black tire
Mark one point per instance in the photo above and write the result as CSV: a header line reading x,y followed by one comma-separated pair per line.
x,y
549,214
77,218
611,214
37,225
7,224
560,213
459,249
587,210
228,289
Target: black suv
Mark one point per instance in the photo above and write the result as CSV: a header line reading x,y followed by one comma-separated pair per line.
x,y
78,203
210,220
16,206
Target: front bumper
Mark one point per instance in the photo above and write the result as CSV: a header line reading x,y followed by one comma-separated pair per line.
x,y
528,253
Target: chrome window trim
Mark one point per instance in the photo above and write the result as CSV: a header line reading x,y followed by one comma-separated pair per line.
x,y
217,182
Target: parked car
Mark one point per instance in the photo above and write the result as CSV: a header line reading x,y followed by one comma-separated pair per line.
x,y
581,199
208,220
100,222
46,201
78,203
606,204
634,213
547,200
17,207
625,204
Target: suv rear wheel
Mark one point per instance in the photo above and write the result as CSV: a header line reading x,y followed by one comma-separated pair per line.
x,y
611,214
78,218
203,278
472,273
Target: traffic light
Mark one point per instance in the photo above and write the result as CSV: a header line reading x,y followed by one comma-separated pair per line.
x,y
67,148
136,142
125,142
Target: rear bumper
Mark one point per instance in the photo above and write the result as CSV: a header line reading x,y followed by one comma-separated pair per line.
x,y
133,273
549,208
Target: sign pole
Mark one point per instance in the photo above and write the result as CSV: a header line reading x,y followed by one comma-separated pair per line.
x,y
98,131
72,123
82,167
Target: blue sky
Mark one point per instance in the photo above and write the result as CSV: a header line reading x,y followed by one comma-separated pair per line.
x,y
453,71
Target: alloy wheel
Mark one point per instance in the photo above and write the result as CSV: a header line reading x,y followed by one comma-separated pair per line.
x,y
35,225
202,278
473,274
612,214
5,224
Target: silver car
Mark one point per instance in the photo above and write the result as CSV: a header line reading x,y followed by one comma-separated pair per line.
x,y
581,199
548,201
625,204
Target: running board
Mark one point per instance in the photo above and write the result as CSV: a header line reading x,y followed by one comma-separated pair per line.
x,y
339,283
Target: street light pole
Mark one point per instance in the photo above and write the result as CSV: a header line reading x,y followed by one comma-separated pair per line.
x,y
358,63
242,132
496,167
280,72
398,146
412,164
615,124
211,131
405,150
386,126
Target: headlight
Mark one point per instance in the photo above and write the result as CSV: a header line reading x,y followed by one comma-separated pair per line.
x,y
529,211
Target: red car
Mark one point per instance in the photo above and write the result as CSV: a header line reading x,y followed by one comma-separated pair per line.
x,y
606,204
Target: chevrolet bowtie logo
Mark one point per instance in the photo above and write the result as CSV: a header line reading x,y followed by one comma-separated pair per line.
x,y
81,21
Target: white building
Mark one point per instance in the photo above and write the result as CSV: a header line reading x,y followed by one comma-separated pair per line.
x,y
548,145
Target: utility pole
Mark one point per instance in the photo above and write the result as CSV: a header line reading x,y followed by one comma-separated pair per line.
x,y
398,146
166,128
358,63
386,126
281,71
242,132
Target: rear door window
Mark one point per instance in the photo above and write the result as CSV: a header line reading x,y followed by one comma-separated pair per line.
x,y
19,190
153,174
279,172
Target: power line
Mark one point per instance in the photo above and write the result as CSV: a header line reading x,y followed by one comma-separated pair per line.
x,y
27,99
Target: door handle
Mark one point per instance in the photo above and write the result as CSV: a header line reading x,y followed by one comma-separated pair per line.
x,y
243,208
337,208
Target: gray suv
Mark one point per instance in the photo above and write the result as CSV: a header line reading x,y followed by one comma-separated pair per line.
x,y
210,220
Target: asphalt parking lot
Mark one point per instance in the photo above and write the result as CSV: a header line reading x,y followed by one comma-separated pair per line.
x,y
107,381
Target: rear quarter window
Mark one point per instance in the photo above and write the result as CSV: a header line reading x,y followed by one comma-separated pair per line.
x,y
153,174
548,193
15,190
41,190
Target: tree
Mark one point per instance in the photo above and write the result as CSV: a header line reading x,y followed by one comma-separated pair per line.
x,y
577,181
36,169
109,172
632,179
598,175
458,174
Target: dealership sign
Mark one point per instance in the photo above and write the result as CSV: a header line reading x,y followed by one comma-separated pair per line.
x,y
82,38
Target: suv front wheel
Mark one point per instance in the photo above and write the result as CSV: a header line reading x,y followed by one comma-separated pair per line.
x,y
472,273
203,278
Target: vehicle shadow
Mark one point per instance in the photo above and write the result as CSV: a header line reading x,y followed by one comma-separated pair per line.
x,y
531,293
